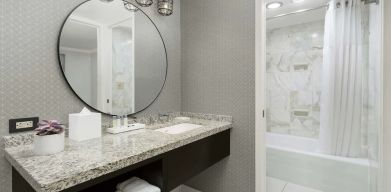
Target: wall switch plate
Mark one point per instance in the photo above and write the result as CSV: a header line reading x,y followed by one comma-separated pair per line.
x,y
23,124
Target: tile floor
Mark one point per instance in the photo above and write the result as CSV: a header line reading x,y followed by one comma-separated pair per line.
x,y
184,188
277,185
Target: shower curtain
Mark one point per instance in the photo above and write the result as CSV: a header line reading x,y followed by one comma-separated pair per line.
x,y
342,79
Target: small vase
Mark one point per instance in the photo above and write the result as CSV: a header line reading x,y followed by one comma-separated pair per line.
x,y
49,144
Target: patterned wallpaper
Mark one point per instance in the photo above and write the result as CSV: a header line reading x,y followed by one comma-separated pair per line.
x,y
30,79
218,76
294,62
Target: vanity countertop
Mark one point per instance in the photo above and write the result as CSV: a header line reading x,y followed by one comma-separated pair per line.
x,y
83,161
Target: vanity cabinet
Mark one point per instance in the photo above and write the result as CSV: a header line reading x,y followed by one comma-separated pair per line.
x,y
183,163
167,170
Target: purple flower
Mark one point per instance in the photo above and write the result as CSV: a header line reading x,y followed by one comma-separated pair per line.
x,y
49,127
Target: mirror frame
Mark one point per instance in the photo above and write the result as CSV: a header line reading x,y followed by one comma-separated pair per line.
x,y
69,85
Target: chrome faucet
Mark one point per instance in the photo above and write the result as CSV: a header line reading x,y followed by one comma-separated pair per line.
x,y
163,115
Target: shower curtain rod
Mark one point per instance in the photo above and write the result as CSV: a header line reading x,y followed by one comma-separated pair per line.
x,y
315,8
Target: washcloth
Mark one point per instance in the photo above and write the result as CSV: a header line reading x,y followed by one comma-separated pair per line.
x,y
135,184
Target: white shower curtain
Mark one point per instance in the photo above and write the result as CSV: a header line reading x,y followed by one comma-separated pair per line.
x,y
342,79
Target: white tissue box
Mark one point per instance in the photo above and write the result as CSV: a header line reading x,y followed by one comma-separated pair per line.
x,y
85,126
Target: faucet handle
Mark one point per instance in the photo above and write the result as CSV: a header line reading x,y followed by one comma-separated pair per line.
x,y
165,115
133,119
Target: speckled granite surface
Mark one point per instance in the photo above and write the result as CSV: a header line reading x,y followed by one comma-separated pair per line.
x,y
83,161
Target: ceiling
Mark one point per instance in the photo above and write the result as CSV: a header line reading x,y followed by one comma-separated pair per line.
x,y
294,19
79,36
103,13
81,28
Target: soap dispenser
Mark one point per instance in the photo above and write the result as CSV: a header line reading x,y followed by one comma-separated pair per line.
x,y
115,121
122,125
119,122
125,121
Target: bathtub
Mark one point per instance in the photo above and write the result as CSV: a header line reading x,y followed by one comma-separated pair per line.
x,y
295,159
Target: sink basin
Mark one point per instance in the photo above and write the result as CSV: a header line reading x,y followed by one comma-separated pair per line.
x,y
179,128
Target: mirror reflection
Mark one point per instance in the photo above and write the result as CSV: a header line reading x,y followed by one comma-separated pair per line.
x,y
113,58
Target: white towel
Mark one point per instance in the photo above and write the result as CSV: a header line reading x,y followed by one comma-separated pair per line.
x,y
135,184
123,184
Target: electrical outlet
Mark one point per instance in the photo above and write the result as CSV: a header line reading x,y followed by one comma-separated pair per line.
x,y
23,124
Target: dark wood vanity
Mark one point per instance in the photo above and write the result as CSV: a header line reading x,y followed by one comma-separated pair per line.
x,y
167,170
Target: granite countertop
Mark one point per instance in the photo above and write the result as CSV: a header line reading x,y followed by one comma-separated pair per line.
x,y
83,161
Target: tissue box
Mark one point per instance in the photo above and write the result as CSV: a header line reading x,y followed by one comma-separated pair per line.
x,y
85,126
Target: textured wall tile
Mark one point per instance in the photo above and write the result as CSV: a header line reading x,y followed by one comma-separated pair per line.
x,y
31,83
218,76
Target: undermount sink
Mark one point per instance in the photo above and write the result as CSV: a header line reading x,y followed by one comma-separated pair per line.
x,y
179,128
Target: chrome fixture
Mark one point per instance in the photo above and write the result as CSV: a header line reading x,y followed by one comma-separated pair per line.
x,y
130,7
371,1
315,8
163,117
274,5
144,3
165,7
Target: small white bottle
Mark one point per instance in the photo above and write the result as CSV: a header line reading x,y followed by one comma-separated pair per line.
x,y
125,121
115,121
119,122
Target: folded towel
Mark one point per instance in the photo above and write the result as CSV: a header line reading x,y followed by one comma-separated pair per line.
x,y
123,184
140,188
135,184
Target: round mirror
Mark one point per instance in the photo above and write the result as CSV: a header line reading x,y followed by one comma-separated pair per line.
x,y
113,56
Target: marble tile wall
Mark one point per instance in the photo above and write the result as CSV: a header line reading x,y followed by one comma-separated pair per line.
x,y
294,61
122,82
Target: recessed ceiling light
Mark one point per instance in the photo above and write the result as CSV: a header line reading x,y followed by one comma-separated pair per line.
x,y
297,1
274,5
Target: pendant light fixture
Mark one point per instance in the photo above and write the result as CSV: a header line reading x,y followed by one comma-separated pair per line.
x,y
130,7
165,7
144,3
